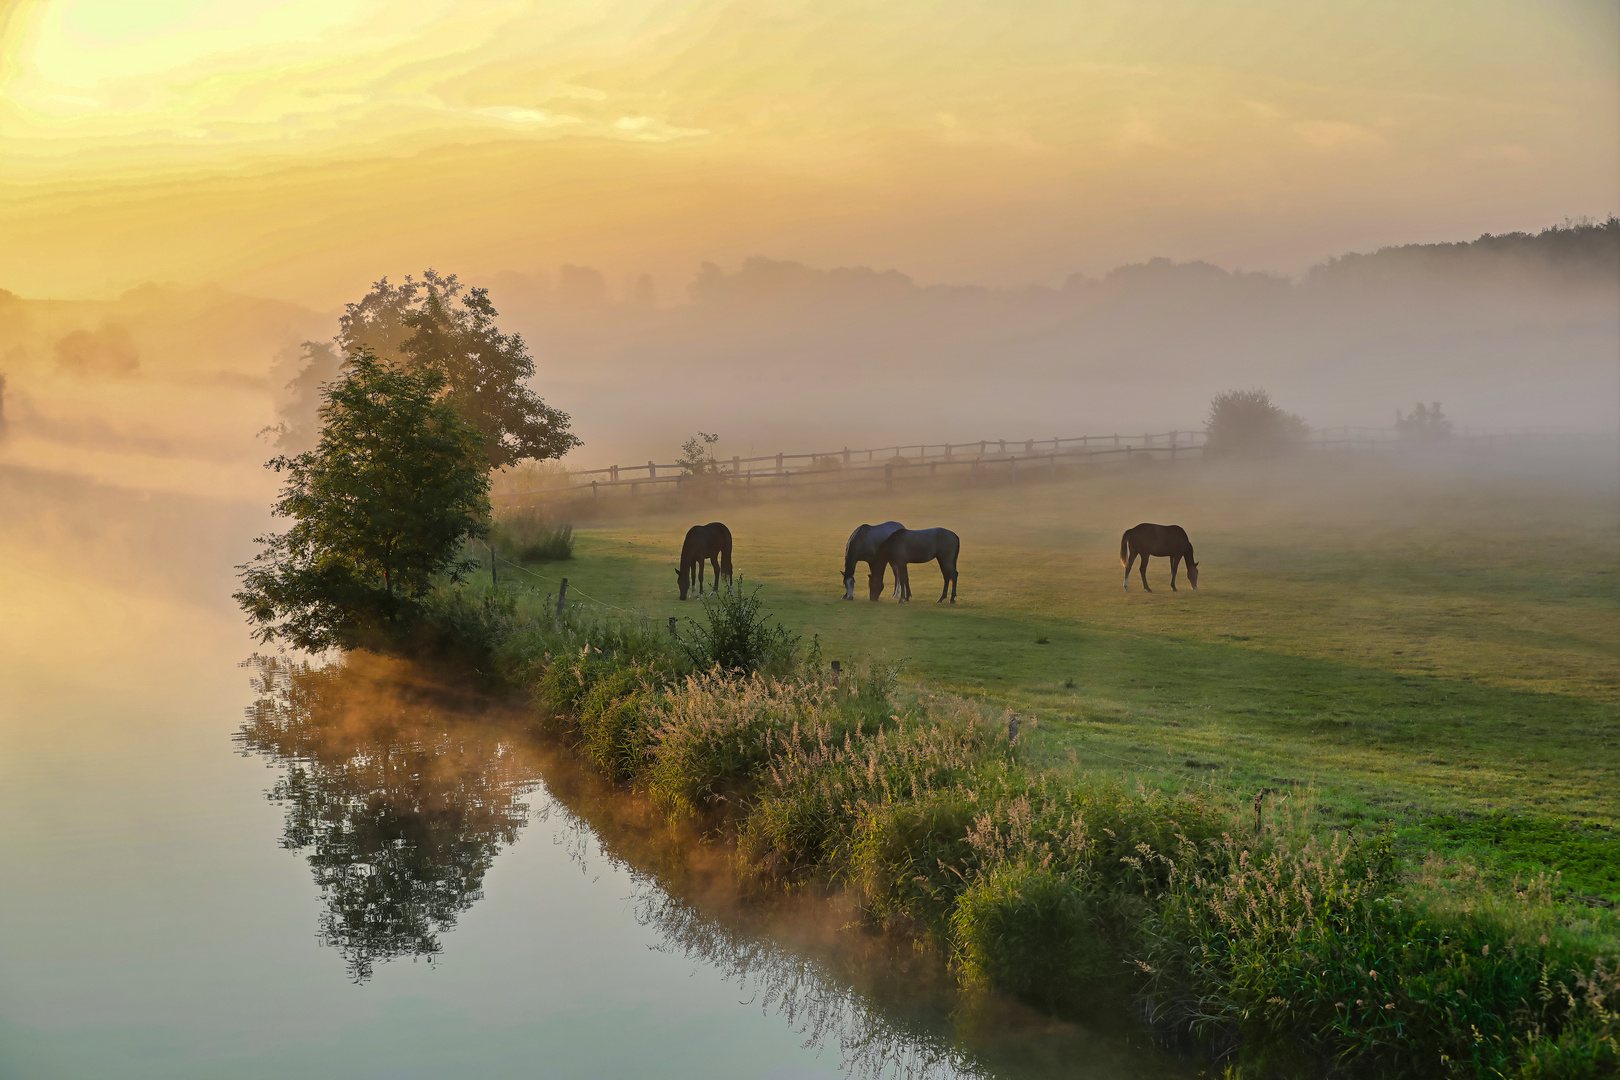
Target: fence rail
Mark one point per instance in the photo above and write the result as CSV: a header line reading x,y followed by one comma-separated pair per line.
x,y
983,459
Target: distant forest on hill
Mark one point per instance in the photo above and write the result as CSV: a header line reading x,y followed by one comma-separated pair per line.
x,y
1514,329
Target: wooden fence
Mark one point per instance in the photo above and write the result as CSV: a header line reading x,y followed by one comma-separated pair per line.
x,y
985,460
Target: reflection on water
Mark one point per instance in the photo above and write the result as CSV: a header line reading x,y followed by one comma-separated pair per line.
x,y
401,803
403,791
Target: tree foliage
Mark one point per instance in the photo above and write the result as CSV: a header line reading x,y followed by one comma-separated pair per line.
x,y
1423,422
380,506
697,455
1249,422
438,324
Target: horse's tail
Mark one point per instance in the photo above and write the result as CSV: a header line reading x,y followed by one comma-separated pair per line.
x,y
1122,549
725,555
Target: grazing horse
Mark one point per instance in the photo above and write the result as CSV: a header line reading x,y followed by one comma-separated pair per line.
x,y
712,542
862,547
916,546
1163,540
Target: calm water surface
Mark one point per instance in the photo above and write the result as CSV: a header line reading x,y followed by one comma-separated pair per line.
x,y
211,869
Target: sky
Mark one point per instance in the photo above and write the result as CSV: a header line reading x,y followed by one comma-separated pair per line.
x,y
299,149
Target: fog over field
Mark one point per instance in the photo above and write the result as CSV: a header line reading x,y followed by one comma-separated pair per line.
x,y
1518,330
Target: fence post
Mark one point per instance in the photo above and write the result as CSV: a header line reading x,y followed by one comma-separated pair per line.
x,y
652,471
613,473
492,579
846,455
562,597
672,632
778,462
594,492
736,466
837,669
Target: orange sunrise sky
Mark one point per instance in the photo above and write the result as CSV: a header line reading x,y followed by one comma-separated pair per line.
x,y
300,149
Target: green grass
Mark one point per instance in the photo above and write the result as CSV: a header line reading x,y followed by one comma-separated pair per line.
x,y
1437,641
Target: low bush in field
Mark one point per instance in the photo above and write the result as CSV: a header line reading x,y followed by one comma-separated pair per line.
x,y
1278,949
526,535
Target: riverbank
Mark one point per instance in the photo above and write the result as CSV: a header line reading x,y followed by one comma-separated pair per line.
x,y
1245,931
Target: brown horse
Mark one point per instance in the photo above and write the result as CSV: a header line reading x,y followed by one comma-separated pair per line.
x,y
916,546
1162,540
711,542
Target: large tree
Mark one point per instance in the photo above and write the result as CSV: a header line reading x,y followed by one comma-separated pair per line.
x,y
380,506
438,324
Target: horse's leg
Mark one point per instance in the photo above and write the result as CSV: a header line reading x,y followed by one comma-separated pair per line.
x,y
714,560
1175,564
1145,586
946,587
1128,563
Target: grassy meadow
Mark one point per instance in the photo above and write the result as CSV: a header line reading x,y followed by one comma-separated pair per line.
x,y
1435,641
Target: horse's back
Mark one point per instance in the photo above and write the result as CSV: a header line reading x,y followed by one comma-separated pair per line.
x,y
1153,539
705,540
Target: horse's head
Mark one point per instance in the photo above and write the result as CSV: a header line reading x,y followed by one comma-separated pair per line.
x,y
849,583
683,577
1192,573
874,582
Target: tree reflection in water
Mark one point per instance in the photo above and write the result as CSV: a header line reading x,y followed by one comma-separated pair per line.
x,y
399,790
403,792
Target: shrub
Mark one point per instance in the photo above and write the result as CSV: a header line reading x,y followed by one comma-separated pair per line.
x,y
736,636
1027,931
1248,422
1423,422
615,722
527,536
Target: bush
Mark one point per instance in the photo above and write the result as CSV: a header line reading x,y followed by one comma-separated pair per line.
x,y
1027,931
527,536
615,722
737,636
1423,422
1248,422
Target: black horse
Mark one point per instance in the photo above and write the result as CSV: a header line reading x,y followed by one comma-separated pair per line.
x,y
862,547
711,542
916,546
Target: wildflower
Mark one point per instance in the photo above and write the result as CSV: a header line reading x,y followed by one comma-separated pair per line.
x,y
1486,951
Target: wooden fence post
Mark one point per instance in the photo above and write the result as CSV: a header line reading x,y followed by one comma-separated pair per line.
x,y
613,473
672,632
652,471
594,493
492,579
562,597
837,669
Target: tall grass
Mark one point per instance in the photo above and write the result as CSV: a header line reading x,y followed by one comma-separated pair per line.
x,y
1263,943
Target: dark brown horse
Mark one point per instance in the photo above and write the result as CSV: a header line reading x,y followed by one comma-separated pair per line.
x,y
862,547
1163,540
916,546
711,542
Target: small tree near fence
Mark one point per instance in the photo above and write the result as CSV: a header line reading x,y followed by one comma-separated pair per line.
x,y
1423,422
697,456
